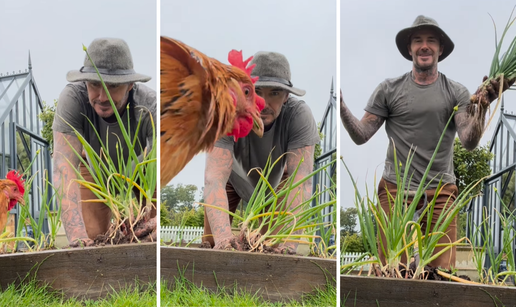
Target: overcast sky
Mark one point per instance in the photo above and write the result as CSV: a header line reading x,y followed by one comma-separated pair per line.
x,y
54,32
304,31
369,55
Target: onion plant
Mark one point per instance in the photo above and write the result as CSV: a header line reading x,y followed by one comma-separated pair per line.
x,y
401,224
6,237
503,67
48,194
324,246
269,209
494,274
41,240
114,186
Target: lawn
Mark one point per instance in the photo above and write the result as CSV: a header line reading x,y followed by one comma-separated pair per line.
x,y
32,294
185,293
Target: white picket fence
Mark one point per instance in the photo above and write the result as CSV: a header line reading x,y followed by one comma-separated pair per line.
x,y
185,234
348,258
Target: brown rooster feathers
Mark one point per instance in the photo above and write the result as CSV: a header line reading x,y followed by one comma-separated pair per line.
x,y
202,100
12,190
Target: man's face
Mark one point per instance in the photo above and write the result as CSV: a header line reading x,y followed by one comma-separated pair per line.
x,y
99,100
274,100
425,49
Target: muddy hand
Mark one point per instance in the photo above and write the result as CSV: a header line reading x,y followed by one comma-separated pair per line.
x,y
145,228
149,238
285,249
493,89
229,243
82,242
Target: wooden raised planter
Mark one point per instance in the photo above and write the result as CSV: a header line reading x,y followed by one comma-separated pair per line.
x,y
385,292
88,273
274,277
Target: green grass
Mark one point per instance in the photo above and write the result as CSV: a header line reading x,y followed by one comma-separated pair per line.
x,y
32,294
185,293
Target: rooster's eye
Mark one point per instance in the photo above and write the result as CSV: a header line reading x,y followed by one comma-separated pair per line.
x,y
246,91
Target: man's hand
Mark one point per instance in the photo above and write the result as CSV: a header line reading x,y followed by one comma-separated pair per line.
x,y
219,163
491,90
145,228
285,249
229,243
63,176
82,242
362,130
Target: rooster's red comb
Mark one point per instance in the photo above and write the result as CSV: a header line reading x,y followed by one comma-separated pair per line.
x,y
17,178
236,59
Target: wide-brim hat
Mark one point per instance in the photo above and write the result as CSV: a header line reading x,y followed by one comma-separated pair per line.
x,y
423,22
273,70
113,60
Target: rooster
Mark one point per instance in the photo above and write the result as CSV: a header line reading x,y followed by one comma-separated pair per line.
x,y
12,189
202,100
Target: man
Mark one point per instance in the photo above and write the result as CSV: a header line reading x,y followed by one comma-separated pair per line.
x,y
289,126
84,100
416,107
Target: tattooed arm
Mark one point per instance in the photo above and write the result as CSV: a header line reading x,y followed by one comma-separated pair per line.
x,y
362,130
303,192
470,125
63,176
306,167
219,163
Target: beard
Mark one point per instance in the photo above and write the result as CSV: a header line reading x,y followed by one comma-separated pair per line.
x,y
109,114
424,67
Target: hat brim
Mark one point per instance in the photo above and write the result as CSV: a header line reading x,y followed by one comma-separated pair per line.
x,y
76,75
293,90
403,41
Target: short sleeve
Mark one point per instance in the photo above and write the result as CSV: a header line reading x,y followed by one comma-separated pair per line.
x,y
463,101
69,111
226,142
145,99
302,130
377,103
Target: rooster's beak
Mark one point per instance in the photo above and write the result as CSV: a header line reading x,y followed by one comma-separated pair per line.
x,y
257,124
20,200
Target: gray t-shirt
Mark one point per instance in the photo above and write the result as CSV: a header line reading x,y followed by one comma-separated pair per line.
x,y
415,118
73,106
294,128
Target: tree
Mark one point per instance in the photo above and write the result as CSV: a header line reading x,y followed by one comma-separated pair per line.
x,y
352,243
348,220
189,217
47,117
164,214
318,148
178,198
508,193
470,167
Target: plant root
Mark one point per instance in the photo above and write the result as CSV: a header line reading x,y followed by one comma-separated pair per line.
x,y
143,231
428,273
457,279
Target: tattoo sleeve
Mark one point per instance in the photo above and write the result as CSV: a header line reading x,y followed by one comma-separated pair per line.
x,y
306,167
470,125
304,192
362,130
219,163
63,176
